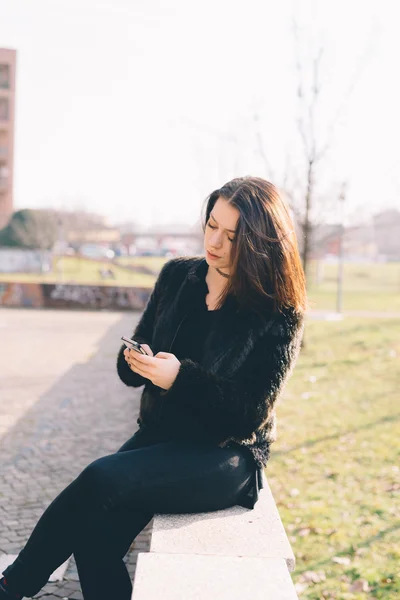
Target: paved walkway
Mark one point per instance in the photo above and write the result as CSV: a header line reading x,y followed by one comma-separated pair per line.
x,y
61,406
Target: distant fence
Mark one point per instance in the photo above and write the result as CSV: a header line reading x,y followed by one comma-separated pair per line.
x,y
95,297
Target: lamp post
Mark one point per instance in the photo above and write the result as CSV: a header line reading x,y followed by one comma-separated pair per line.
x,y
339,297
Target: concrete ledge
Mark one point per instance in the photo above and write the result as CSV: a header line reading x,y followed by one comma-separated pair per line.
x,y
179,577
235,531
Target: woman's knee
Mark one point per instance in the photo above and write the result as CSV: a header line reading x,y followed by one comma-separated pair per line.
x,y
93,483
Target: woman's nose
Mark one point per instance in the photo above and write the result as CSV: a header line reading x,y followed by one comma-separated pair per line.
x,y
216,240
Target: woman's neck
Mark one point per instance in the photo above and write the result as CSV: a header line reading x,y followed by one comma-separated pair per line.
x,y
216,283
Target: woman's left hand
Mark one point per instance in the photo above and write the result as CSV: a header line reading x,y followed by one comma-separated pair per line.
x,y
161,369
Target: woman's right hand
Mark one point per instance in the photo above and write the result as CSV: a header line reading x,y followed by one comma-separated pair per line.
x,y
128,353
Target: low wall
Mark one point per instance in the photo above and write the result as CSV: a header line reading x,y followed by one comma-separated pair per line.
x,y
60,295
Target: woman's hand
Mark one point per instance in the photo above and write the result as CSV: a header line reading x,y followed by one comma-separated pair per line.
x,y
128,353
160,369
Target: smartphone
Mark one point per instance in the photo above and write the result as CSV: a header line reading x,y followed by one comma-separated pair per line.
x,y
132,345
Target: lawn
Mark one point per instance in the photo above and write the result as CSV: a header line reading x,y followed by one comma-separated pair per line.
x,y
367,286
70,269
374,287
335,469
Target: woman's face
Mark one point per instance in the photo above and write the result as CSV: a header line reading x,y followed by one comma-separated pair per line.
x,y
219,234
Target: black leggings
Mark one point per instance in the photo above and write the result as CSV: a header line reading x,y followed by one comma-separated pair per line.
x,y
98,515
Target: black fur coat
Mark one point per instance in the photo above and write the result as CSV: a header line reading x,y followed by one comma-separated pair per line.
x,y
229,396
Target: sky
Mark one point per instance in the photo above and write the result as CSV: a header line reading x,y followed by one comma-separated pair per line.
x,y
138,109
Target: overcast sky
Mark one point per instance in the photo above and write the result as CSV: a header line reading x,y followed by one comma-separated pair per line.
x,y
139,108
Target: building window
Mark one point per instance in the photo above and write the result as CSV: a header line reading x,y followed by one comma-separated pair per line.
x,y
4,76
3,109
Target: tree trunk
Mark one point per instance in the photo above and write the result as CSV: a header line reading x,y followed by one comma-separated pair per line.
x,y
307,227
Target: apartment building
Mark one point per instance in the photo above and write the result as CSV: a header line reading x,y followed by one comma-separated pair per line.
x,y
7,120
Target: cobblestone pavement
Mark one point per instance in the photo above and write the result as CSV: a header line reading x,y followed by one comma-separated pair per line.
x,y
62,405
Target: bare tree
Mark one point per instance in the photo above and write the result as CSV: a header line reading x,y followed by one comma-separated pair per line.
x,y
75,227
301,180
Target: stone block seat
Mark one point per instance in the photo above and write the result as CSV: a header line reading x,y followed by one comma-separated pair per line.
x,y
234,553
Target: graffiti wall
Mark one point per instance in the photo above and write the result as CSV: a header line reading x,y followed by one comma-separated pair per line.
x,y
95,297
21,294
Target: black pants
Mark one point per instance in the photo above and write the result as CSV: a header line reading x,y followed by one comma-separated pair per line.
x,y
98,515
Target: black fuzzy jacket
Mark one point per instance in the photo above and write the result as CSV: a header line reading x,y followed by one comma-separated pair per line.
x,y
229,396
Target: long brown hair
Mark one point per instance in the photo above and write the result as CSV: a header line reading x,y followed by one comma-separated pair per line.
x,y
266,270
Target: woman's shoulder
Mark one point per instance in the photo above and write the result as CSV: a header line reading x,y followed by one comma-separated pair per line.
x,y
177,268
288,323
182,264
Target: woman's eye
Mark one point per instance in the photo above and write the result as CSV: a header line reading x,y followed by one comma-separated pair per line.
x,y
213,227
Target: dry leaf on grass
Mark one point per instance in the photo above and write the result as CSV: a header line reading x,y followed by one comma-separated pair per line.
x,y
360,585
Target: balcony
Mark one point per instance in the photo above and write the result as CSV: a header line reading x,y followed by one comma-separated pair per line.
x,y
3,153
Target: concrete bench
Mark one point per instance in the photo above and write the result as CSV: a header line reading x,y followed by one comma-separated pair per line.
x,y
232,553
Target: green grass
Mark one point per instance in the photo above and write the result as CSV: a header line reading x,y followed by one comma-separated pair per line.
x,y
370,300
373,287
70,269
334,470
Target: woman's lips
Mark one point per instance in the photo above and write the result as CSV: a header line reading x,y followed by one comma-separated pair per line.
x,y
212,256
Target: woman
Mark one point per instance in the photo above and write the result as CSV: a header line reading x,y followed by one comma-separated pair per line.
x,y
222,334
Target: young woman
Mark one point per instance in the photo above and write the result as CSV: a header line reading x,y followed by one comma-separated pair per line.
x,y
222,334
